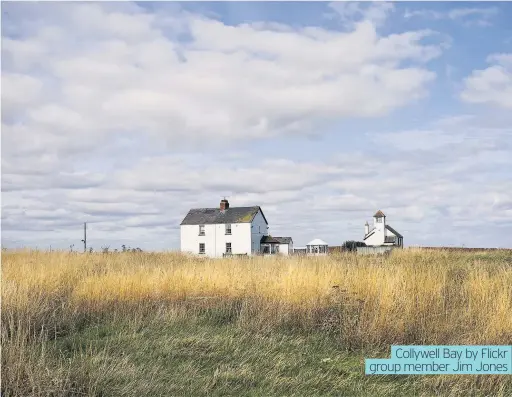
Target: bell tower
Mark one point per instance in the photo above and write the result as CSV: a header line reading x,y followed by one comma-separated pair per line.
x,y
379,220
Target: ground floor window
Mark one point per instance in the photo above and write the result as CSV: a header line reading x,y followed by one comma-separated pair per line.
x,y
201,248
228,248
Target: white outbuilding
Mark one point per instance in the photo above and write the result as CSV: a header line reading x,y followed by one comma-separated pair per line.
x,y
317,247
382,234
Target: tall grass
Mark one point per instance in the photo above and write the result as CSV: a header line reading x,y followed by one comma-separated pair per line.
x,y
366,303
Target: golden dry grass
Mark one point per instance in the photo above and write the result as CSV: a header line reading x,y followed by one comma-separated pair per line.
x,y
368,303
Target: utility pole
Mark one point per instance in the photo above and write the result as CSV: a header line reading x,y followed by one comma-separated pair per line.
x,y
85,237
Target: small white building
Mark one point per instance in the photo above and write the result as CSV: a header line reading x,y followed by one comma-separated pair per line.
x,y
317,247
382,234
217,232
276,245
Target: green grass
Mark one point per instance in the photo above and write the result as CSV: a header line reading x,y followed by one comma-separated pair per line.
x,y
202,357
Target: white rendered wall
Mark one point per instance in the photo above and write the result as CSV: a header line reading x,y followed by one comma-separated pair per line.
x,y
215,239
284,249
377,238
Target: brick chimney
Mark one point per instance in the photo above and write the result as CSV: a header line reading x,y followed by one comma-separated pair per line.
x,y
224,205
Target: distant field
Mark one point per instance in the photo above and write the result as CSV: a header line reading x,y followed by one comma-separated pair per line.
x,y
466,249
147,324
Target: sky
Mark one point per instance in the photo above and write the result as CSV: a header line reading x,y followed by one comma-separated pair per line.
x,y
126,115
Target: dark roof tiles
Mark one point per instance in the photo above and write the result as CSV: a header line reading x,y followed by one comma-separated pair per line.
x,y
209,216
275,240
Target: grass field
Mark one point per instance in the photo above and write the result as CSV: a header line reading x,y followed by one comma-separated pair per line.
x,y
144,324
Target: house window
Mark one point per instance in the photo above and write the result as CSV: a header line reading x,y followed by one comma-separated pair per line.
x,y
228,248
228,228
379,220
201,248
201,230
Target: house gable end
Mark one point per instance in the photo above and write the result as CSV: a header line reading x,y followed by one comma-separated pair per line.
x,y
262,214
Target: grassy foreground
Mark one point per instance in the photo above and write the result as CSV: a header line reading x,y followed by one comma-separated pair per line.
x,y
170,325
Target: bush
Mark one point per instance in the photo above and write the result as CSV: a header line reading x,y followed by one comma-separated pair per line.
x,y
352,245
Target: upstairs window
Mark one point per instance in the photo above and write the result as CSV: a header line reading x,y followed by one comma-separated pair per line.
x,y
201,230
228,228
201,248
379,220
228,248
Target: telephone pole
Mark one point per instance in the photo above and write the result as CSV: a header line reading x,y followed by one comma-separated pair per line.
x,y
85,237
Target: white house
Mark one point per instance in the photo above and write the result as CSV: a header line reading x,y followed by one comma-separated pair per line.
x,y
216,232
382,234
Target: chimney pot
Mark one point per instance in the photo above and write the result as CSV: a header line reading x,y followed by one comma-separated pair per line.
x,y
224,205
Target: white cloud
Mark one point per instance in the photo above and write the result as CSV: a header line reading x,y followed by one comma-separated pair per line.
x,y
419,139
128,118
350,12
492,85
482,15
19,91
467,16
330,198
127,71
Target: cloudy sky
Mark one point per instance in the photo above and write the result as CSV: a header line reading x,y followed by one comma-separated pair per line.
x,y
126,115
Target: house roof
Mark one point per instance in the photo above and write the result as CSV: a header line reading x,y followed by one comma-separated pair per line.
x,y
393,231
209,216
379,214
275,240
268,240
317,241
387,237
